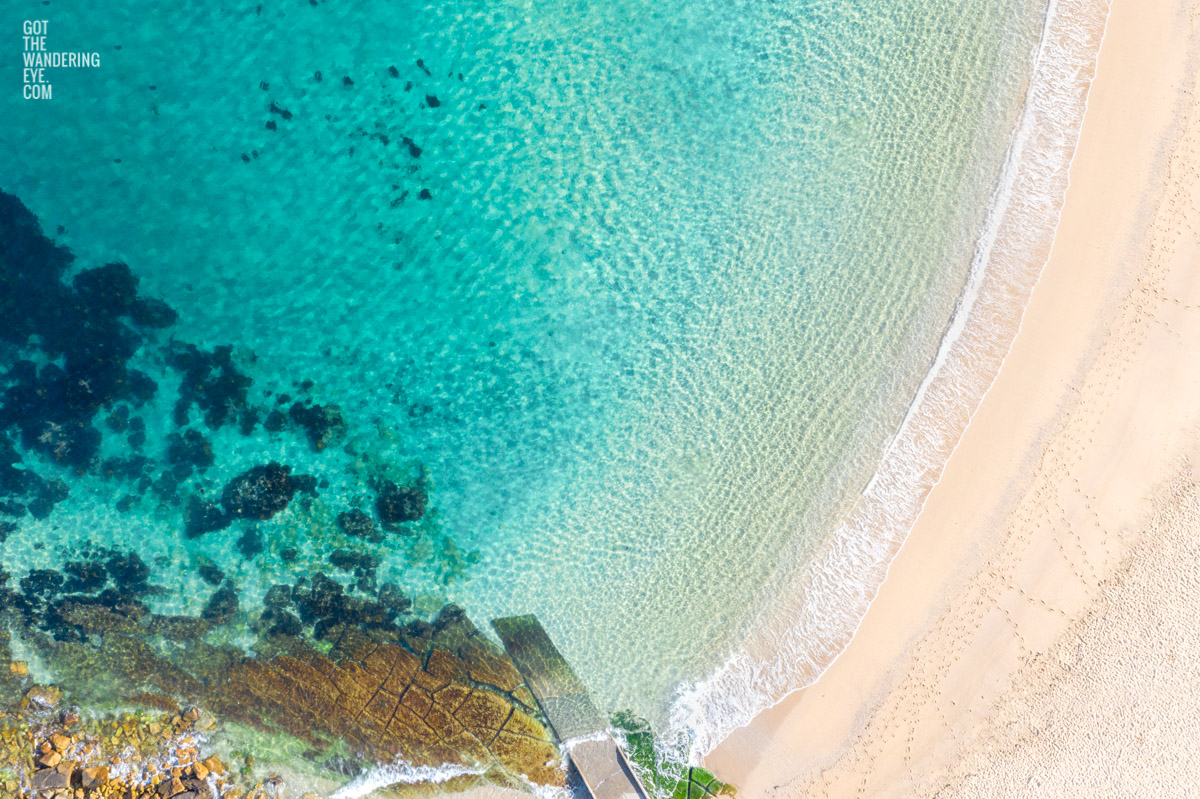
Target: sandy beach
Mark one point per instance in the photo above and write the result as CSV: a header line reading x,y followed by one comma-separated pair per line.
x,y
1036,635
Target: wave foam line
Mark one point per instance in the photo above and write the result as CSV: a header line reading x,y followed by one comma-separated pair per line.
x,y
818,618
399,773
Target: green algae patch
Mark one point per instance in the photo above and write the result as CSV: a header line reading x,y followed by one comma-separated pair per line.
x,y
692,782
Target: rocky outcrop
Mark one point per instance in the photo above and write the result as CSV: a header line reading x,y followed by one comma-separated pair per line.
x,y
426,693
463,707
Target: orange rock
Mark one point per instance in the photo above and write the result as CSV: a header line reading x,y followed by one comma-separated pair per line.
x,y
93,777
521,723
404,666
452,696
445,668
483,710
418,700
49,759
469,748
442,723
490,668
378,712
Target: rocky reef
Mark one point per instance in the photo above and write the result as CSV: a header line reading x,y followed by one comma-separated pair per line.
x,y
368,692
458,702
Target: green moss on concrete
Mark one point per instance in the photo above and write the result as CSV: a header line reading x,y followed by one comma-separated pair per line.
x,y
694,783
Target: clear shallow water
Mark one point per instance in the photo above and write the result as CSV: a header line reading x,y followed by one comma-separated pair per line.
x,y
680,272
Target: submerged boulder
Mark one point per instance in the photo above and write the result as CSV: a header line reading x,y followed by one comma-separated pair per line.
x,y
129,573
358,524
323,424
221,605
191,450
259,493
397,504
212,382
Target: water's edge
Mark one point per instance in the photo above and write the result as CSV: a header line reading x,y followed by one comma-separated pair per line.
x,y
817,618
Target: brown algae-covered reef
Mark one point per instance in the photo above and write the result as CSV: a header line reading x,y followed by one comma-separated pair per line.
x,y
432,694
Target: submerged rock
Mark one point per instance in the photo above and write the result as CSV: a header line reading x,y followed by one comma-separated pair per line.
x,y
282,622
191,450
250,543
393,600
221,605
112,286
260,492
152,312
274,422
321,599
129,573
358,524
278,596
85,576
323,424
200,517
398,504
348,560
41,583
210,381
68,443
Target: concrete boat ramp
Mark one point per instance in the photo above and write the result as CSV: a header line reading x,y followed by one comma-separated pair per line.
x,y
565,702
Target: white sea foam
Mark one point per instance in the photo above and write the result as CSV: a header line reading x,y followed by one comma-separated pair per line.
x,y
820,612
399,773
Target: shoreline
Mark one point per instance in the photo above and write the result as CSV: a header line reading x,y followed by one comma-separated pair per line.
x,y
827,600
949,599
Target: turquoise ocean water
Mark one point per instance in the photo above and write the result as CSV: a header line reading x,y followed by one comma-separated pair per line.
x,y
643,289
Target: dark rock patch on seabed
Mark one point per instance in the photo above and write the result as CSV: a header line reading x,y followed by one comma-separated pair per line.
x,y
86,326
189,451
211,382
200,517
397,504
358,524
221,605
209,571
250,543
152,313
260,492
323,424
